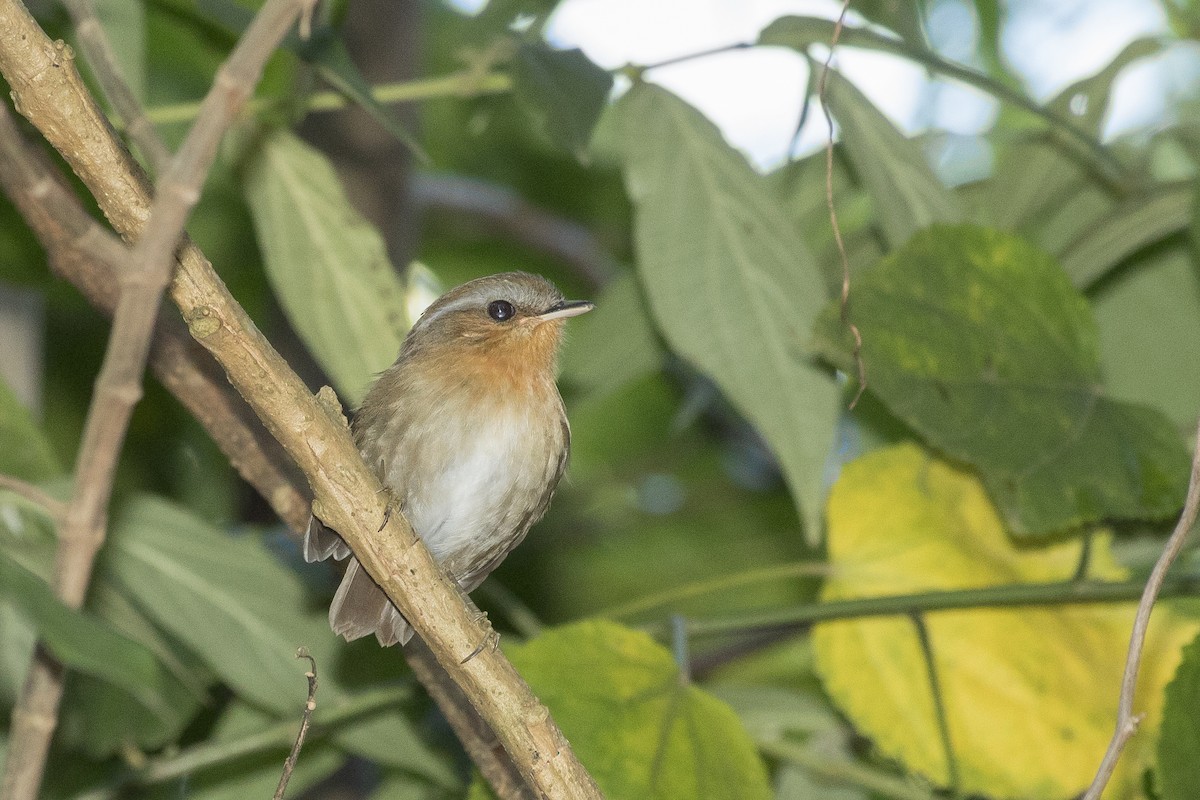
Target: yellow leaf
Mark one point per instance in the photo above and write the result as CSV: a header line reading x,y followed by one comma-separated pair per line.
x,y
1030,693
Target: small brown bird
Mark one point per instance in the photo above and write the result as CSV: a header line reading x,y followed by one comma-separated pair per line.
x,y
468,433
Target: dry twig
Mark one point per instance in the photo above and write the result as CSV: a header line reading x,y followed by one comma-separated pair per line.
x,y
1127,721
822,86
305,721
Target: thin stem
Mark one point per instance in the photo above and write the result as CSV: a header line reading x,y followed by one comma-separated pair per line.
x,y
465,83
712,51
1085,555
939,701
54,507
724,583
1127,721
679,647
845,772
1007,596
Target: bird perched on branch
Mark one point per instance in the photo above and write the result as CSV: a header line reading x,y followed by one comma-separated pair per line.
x,y
467,432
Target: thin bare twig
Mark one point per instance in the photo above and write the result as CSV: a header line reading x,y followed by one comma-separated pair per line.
x,y
822,87
305,721
1127,721
118,387
56,508
100,55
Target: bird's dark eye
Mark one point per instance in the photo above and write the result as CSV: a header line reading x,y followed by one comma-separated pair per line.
x,y
500,310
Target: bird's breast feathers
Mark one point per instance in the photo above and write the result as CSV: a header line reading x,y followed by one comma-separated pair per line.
x,y
485,473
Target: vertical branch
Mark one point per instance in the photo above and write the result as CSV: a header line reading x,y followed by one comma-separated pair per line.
x,y
1127,721
118,386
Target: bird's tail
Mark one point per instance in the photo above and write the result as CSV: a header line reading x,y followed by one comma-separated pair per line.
x,y
321,542
360,608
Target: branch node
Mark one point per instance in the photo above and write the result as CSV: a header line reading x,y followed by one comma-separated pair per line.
x,y
328,400
203,322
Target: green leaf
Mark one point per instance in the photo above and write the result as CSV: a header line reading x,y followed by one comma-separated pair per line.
x,y
79,640
17,640
100,719
977,340
389,740
223,596
905,18
906,195
613,345
1064,190
643,730
730,283
563,91
328,266
1179,737
1134,224
25,451
1142,362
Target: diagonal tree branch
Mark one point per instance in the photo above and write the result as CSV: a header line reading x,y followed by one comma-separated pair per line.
x,y
118,387
347,493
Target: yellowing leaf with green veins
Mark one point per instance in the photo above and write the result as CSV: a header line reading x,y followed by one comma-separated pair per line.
x,y
1030,693
642,731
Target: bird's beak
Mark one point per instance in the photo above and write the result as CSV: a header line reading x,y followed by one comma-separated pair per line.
x,y
564,309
